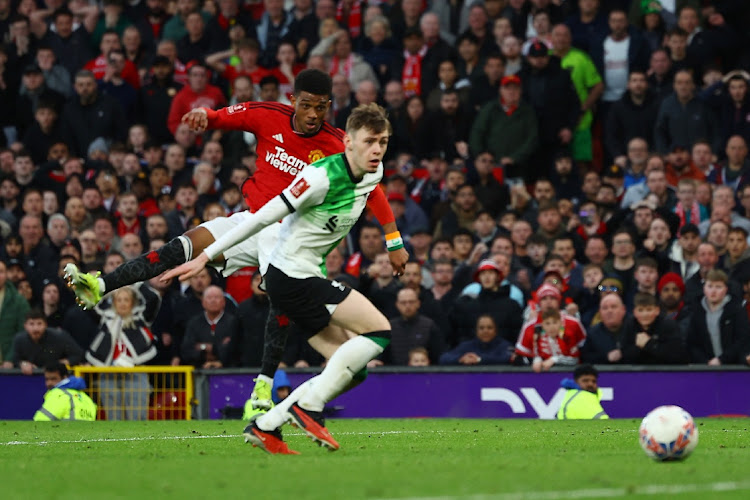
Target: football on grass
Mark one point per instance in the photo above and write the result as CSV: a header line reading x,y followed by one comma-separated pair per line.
x,y
668,433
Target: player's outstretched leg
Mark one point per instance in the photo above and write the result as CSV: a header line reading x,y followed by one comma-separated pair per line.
x,y
89,289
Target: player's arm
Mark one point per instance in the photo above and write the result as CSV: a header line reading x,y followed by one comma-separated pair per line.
x,y
295,197
233,117
380,207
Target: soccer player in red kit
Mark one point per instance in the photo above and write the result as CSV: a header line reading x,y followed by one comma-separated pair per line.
x,y
289,138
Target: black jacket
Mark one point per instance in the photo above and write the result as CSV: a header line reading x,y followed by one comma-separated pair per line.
x,y
80,124
735,334
506,312
252,314
54,345
665,347
154,101
599,341
406,334
627,120
551,93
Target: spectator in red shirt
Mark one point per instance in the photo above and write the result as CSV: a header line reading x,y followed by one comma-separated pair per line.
x,y
98,66
198,93
555,342
248,52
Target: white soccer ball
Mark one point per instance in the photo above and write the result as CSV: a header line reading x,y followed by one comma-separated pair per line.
x,y
668,433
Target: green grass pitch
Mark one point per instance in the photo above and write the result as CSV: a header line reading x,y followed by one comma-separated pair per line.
x,y
382,459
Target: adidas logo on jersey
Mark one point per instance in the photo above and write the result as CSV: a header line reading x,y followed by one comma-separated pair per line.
x,y
284,161
279,138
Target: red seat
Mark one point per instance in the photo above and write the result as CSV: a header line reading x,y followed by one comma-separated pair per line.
x,y
169,405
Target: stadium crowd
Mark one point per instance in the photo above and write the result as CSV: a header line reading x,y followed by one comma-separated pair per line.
x,y
571,177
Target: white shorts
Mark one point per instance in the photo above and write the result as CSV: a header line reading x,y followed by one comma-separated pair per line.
x,y
254,251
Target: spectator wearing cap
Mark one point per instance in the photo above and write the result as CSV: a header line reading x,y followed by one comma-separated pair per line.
x,y
671,290
548,88
197,90
33,92
155,99
735,171
683,118
588,84
507,128
632,116
89,115
493,298
719,332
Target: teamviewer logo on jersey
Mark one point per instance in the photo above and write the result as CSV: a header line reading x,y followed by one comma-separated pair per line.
x,y
279,138
331,224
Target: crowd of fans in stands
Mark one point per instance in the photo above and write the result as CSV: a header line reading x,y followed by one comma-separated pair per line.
x,y
571,176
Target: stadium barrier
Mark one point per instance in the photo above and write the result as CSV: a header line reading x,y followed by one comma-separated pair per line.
x,y
140,392
457,392
501,392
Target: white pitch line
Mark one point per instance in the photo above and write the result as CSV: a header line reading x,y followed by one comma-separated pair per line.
x,y
650,489
171,438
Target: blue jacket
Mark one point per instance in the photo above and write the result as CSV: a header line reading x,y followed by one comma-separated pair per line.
x,y
495,352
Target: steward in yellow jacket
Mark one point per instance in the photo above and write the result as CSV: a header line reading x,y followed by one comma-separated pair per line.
x,y
582,400
65,398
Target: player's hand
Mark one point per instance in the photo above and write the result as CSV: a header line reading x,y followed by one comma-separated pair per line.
x,y
398,261
196,119
188,269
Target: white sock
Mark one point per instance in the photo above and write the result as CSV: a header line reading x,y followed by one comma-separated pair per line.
x,y
276,417
265,378
351,357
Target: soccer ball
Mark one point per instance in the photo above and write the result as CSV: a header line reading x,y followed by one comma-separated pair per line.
x,y
668,433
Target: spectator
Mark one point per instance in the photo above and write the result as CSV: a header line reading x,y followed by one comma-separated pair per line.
x,y
588,84
452,122
378,285
719,332
13,309
723,203
622,264
588,24
632,116
211,338
487,348
548,88
462,212
554,343
671,290
196,44
737,258
124,340
155,99
247,51
411,329
37,345
485,87
98,66
683,118
651,338
70,43
507,128
419,357
729,97
198,93
735,172
582,398
494,297
89,115
50,304
615,55
33,92
604,340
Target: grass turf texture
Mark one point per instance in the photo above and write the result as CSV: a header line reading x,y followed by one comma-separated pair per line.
x,y
492,459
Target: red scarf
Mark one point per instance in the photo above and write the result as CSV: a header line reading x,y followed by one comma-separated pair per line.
x,y
411,75
346,70
695,214
353,20
509,109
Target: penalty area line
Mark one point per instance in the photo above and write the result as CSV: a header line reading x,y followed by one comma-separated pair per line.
x,y
649,489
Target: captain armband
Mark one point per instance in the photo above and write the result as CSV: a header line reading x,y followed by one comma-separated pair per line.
x,y
393,241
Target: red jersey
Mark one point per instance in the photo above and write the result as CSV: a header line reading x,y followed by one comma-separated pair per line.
x,y
282,152
566,344
129,72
